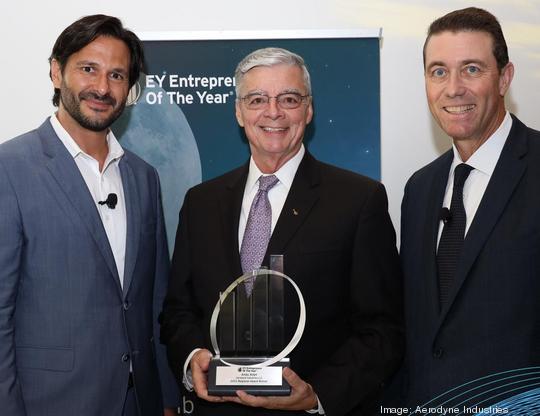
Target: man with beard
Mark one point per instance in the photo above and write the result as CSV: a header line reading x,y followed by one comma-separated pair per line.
x,y
83,255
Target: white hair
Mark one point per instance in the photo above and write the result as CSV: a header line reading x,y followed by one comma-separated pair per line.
x,y
270,57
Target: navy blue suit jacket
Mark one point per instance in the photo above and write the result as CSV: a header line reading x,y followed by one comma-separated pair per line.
x,y
491,322
68,331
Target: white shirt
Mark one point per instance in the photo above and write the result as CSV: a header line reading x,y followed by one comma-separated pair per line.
x,y
483,160
100,185
276,195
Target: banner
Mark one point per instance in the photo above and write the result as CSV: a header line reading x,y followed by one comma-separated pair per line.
x,y
180,116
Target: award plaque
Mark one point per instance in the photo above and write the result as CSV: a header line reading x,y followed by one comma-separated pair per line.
x,y
247,334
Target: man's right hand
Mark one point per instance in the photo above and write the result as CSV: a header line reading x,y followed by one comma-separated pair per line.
x,y
199,368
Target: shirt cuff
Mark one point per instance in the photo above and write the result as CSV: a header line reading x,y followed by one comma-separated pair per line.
x,y
187,380
319,410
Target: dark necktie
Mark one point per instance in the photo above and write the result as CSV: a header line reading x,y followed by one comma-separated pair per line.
x,y
452,235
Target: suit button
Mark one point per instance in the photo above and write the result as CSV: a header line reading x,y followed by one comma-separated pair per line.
x,y
125,357
247,335
126,305
438,353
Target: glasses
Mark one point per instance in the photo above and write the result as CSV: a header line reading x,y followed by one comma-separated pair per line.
x,y
285,101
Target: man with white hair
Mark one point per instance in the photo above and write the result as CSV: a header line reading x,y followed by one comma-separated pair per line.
x,y
333,228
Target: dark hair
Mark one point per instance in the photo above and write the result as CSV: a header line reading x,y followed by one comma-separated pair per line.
x,y
84,31
472,19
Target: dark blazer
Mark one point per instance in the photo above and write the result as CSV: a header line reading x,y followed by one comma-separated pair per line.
x,y
492,320
339,246
68,332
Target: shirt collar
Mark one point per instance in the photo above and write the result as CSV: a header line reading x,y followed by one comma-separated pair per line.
x,y
285,174
115,150
486,156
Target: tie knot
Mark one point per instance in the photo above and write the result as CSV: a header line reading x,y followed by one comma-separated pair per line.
x,y
267,182
461,173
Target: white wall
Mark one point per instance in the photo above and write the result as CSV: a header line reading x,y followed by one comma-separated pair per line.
x,y
410,139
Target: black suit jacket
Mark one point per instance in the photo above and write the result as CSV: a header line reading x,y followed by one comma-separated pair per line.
x,y
339,246
491,322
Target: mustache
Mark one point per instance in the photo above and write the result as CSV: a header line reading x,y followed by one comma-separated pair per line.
x,y
92,95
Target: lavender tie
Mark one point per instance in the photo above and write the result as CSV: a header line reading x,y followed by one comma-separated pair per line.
x,y
258,227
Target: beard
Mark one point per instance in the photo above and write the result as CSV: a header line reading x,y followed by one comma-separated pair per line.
x,y
72,105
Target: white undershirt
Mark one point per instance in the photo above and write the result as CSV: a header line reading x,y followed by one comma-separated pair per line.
x,y
100,185
483,160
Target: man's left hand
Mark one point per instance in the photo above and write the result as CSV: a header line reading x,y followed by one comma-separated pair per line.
x,y
170,412
302,396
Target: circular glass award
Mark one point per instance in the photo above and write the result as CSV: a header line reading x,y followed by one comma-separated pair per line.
x,y
247,331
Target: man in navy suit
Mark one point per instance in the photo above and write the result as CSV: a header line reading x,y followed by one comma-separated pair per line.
x,y
470,234
83,254
333,228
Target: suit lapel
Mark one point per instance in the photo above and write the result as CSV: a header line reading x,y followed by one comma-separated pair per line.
x,y
506,176
66,174
133,220
230,206
302,195
435,201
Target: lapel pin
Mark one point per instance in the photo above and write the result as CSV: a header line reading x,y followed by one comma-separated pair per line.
x,y
294,211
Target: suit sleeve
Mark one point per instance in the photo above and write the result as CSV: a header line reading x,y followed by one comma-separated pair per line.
x,y
11,246
168,385
395,393
357,371
404,214
181,320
